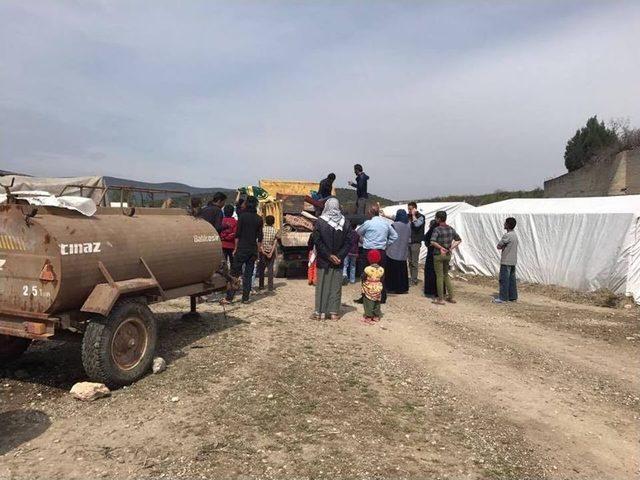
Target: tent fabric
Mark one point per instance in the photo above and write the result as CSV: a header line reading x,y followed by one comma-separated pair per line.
x,y
582,243
429,209
84,205
55,186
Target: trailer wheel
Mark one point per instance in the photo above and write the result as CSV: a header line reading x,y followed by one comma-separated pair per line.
x,y
12,347
119,349
280,266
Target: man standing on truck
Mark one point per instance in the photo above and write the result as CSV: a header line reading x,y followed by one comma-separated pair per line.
x,y
326,186
248,244
212,213
361,189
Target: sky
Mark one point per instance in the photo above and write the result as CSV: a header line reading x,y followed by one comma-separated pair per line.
x,y
430,97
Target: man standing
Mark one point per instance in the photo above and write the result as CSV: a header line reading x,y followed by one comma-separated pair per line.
x,y
326,186
416,220
361,189
509,247
377,234
444,240
248,243
212,213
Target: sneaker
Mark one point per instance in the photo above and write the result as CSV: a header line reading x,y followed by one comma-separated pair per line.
x,y
451,300
498,300
438,301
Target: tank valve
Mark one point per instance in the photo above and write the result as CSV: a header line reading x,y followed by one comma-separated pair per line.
x,y
47,274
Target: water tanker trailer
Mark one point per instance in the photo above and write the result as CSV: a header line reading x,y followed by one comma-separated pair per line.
x,y
94,276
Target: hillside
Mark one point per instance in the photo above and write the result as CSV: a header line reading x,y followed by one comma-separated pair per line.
x,y
484,199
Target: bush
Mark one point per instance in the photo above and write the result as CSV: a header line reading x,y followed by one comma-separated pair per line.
x,y
588,142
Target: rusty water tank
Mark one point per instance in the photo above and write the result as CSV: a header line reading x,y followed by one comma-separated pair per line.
x,y
49,263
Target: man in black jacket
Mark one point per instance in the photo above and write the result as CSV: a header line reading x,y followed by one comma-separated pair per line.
x,y
212,213
416,220
326,186
248,243
361,187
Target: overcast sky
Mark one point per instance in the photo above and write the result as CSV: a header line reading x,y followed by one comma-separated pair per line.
x,y
431,97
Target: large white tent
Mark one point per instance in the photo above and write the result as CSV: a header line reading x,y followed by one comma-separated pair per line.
x,y
581,243
429,209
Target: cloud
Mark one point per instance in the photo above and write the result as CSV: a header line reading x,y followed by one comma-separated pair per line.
x,y
432,98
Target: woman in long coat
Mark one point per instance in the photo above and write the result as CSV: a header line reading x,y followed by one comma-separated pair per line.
x,y
331,238
396,275
429,271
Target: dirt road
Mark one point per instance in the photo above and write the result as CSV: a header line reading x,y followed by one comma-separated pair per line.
x,y
539,389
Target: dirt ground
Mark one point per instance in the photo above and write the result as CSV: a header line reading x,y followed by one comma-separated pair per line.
x,y
539,389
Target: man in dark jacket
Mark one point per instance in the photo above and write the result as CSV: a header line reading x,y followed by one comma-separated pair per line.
x,y
248,243
416,220
326,186
361,189
212,213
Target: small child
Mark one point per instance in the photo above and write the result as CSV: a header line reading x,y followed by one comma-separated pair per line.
x,y
350,262
372,287
228,233
268,252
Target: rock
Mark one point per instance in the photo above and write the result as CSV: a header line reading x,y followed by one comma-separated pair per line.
x,y
628,306
88,391
159,365
175,399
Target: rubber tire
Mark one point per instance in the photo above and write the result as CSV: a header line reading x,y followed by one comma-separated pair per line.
x,y
280,268
96,342
11,348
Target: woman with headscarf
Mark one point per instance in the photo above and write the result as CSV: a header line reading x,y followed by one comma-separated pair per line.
x,y
429,271
331,239
396,277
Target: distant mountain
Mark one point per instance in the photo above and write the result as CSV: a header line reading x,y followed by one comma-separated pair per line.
x,y
195,191
347,196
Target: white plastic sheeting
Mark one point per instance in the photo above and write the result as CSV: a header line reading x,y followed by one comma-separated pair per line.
x,y
429,209
56,185
86,206
581,243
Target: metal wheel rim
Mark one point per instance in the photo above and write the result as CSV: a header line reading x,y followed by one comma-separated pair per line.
x,y
129,343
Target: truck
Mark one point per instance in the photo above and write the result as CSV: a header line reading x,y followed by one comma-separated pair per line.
x,y
66,275
295,219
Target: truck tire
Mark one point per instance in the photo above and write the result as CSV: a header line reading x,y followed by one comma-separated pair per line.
x,y
12,347
119,349
280,267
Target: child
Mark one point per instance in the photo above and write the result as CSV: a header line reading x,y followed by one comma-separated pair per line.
x,y
372,287
228,233
508,245
267,252
349,269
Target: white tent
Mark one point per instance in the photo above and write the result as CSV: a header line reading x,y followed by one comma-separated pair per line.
x,y
581,243
429,209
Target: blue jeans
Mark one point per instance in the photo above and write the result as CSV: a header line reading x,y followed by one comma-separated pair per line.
x,y
349,269
508,287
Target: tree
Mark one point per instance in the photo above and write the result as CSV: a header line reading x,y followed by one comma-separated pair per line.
x,y
587,142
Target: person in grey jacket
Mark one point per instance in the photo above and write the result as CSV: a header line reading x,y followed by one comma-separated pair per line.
x,y
508,245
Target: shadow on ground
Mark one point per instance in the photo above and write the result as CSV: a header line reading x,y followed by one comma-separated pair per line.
x,y
21,426
58,364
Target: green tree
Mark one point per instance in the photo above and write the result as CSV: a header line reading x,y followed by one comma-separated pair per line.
x,y
587,142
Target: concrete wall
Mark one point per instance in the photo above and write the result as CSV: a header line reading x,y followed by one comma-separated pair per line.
x,y
619,175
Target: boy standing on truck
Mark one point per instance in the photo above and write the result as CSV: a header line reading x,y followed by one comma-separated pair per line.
x,y
267,252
